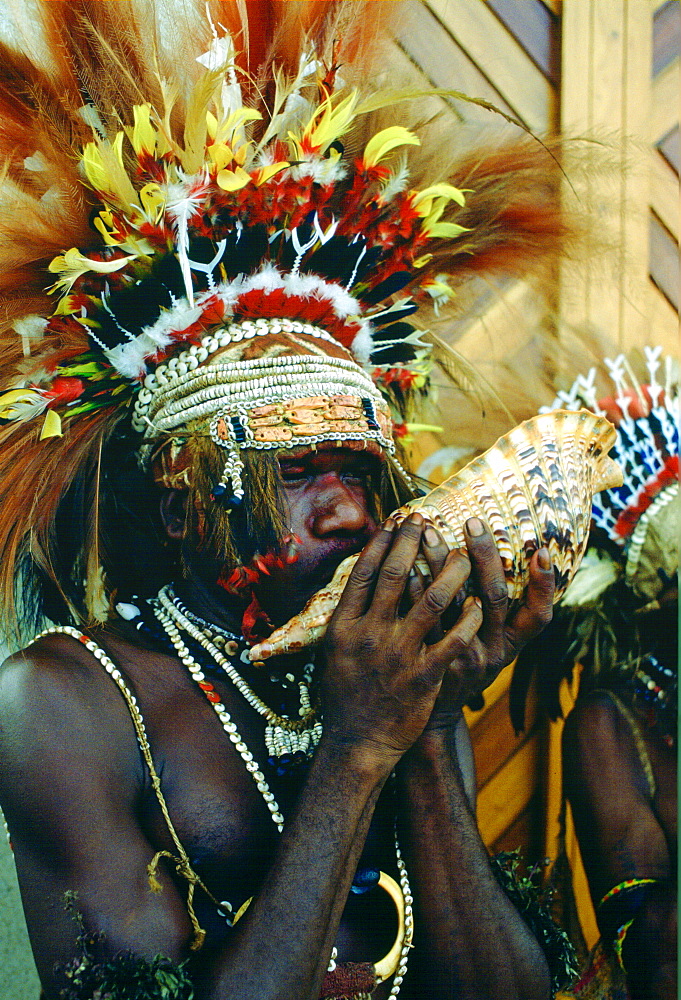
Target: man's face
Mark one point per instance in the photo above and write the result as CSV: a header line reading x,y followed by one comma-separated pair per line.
x,y
327,495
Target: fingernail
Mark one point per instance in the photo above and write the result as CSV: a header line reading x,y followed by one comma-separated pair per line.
x,y
475,527
389,525
544,558
416,518
431,537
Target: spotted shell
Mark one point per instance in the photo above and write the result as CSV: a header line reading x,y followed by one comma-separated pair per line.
x,y
534,488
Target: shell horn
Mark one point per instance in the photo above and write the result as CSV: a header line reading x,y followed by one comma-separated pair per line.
x,y
534,488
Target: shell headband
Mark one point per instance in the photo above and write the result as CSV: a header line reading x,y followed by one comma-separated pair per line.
x,y
264,402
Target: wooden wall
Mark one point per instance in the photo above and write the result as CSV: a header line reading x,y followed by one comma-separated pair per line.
x,y
607,70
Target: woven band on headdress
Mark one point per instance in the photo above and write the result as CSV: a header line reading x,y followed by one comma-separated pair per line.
x,y
282,401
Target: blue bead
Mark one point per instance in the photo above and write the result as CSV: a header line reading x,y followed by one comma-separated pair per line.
x,y
365,880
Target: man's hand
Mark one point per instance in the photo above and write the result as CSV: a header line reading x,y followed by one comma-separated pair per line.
x,y
499,638
384,663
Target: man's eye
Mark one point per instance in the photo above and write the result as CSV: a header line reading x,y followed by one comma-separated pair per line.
x,y
292,475
357,476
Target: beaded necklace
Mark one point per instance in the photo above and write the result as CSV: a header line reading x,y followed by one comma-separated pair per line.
x,y
171,619
285,739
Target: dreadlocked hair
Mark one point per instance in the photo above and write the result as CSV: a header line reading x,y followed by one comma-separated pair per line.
x,y
222,537
76,567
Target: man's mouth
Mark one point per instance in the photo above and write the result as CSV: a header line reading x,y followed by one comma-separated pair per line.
x,y
338,550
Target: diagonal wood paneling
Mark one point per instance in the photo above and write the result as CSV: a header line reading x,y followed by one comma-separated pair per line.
x,y
670,148
502,60
664,260
533,25
664,193
666,35
444,62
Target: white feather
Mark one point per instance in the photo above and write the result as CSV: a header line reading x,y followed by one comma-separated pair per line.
x,y
363,344
322,170
30,328
396,183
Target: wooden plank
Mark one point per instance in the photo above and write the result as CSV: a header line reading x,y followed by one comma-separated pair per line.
x,y
664,192
580,885
494,739
514,312
608,90
405,72
445,64
508,793
535,28
670,148
635,192
524,834
666,35
493,693
524,88
664,261
664,322
577,119
664,105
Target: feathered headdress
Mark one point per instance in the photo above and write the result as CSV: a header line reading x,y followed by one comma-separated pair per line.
x,y
618,617
185,187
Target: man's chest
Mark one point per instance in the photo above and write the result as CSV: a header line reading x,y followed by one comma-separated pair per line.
x,y
221,804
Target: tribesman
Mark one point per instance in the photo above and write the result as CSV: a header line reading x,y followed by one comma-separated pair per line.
x,y
211,254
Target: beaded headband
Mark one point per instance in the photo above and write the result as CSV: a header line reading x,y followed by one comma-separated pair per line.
x,y
266,402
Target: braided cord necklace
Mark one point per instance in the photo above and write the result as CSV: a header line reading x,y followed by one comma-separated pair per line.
x,y
395,963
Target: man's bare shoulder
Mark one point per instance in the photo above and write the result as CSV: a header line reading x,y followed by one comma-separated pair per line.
x,y
600,726
63,726
603,750
56,678
594,717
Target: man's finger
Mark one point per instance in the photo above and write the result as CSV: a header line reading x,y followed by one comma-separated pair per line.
x,y
438,596
358,591
396,567
537,609
488,572
454,644
434,549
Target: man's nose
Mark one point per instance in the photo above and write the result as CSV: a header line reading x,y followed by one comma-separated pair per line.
x,y
340,508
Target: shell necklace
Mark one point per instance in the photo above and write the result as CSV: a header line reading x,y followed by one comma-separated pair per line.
x,y
395,962
288,741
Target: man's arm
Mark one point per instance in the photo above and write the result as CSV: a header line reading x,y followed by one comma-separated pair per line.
x,y
475,944
622,837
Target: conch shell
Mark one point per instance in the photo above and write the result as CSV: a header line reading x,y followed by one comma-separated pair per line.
x,y
533,488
